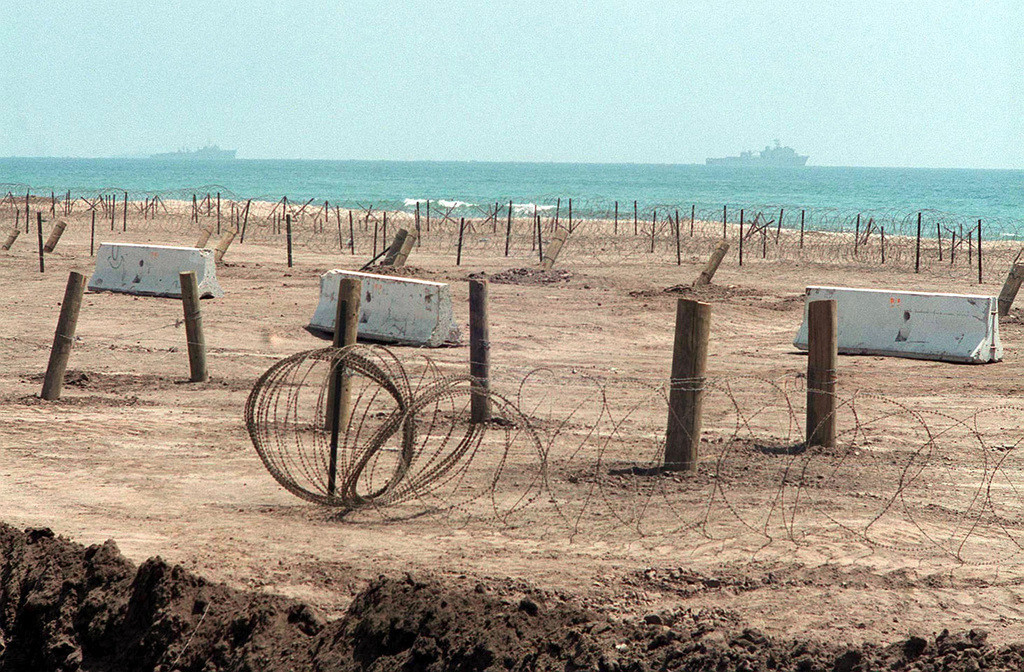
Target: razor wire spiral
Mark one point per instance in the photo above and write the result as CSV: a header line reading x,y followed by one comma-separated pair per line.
x,y
407,436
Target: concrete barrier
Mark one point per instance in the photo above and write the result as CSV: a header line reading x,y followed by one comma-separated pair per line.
x,y
946,327
393,310
152,270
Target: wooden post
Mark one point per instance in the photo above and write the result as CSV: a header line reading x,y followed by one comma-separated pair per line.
x,y
679,255
193,327
92,236
375,239
218,213
938,237
554,247
778,230
351,234
540,240
917,254
1010,288
204,236
883,244
288,232
558,208
384,230
801,229
741,237
406,249
634,219
53,381
479,352
508,227
113,210
339,396
13,236
458,256
764,240
616,230
856,235
570,215
394,248
725,214
686,393
222,245
39,235
124,222
713,263
245,221
428,215
27,217
654,226
55,233
693,216
952,248
979,252
822,361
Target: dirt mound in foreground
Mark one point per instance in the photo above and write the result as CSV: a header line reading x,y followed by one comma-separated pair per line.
x,y
65,607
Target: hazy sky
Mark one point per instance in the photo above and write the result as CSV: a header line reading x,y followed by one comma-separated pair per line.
x,y
933,83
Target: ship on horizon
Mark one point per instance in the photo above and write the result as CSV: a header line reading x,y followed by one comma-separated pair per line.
x,y
769,156
207,153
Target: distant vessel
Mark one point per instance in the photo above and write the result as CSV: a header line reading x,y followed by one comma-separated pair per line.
x,y
207,153
769,156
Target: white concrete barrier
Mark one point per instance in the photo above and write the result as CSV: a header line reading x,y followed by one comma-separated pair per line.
x,y
392,310
152,270
922,325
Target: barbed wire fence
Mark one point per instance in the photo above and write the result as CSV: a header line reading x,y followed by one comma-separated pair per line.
x,y
570,456
928,241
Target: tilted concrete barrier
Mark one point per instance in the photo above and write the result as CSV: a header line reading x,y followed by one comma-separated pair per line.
x,y
392,310
922,325
152,270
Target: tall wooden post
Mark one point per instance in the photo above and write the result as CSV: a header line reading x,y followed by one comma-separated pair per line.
x,y
193,327
288,225
479,352
822,362
616,229
883,244
339,397
979,252
725,219
634,219
508,227
686,394
741,237
53,381
39,235
458,255
92,236
351,234
917,252
654,226
124,221
938,238
801,229
679,254
693,216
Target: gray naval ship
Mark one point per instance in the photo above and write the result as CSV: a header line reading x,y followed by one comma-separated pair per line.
x,y
208,153
769,156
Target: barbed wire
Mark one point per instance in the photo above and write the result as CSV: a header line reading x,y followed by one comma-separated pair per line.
x,y
589,464
600,232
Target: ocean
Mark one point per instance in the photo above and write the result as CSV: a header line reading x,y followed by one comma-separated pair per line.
x,y
996,196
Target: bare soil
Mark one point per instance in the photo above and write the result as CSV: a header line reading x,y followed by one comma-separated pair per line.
x,y
133,452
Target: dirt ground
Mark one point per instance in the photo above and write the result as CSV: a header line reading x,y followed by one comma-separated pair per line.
x,y
134,453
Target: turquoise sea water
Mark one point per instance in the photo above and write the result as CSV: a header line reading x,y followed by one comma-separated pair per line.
x,y
992,195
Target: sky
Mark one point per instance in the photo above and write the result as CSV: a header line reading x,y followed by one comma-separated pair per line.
x,y
937,83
